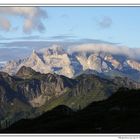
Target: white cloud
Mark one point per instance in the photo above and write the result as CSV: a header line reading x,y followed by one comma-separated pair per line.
x,y
4,24
32,17
108,48
105,22
28,25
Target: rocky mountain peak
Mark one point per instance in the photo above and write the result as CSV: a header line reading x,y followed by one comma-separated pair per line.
x,y
34,55
55,50
25,72
4,74
56,59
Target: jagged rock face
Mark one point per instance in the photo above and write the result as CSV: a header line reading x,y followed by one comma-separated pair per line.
x,y
57,60
13,66
6,91
38,91
102,88
133,64
27,90
51,60
35,90
33,87
89,84
126,82
25,72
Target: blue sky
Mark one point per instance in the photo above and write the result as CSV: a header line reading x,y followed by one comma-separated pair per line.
x,y
112,24
85,22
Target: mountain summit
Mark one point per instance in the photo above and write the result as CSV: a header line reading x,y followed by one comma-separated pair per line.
x,y
25,72
57,60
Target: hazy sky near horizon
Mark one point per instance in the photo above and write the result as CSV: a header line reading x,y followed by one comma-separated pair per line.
x,y
111,24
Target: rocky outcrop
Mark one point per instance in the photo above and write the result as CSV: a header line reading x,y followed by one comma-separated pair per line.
x,y
33,87
126,82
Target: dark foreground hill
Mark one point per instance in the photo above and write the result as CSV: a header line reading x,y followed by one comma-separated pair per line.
x,y
28,94
118,114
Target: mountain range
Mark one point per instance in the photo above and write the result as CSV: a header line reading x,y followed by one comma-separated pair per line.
x,y
54,78
28,93
57,59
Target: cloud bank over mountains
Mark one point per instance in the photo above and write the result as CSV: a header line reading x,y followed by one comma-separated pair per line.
x,y
108,48
24,48
32,18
